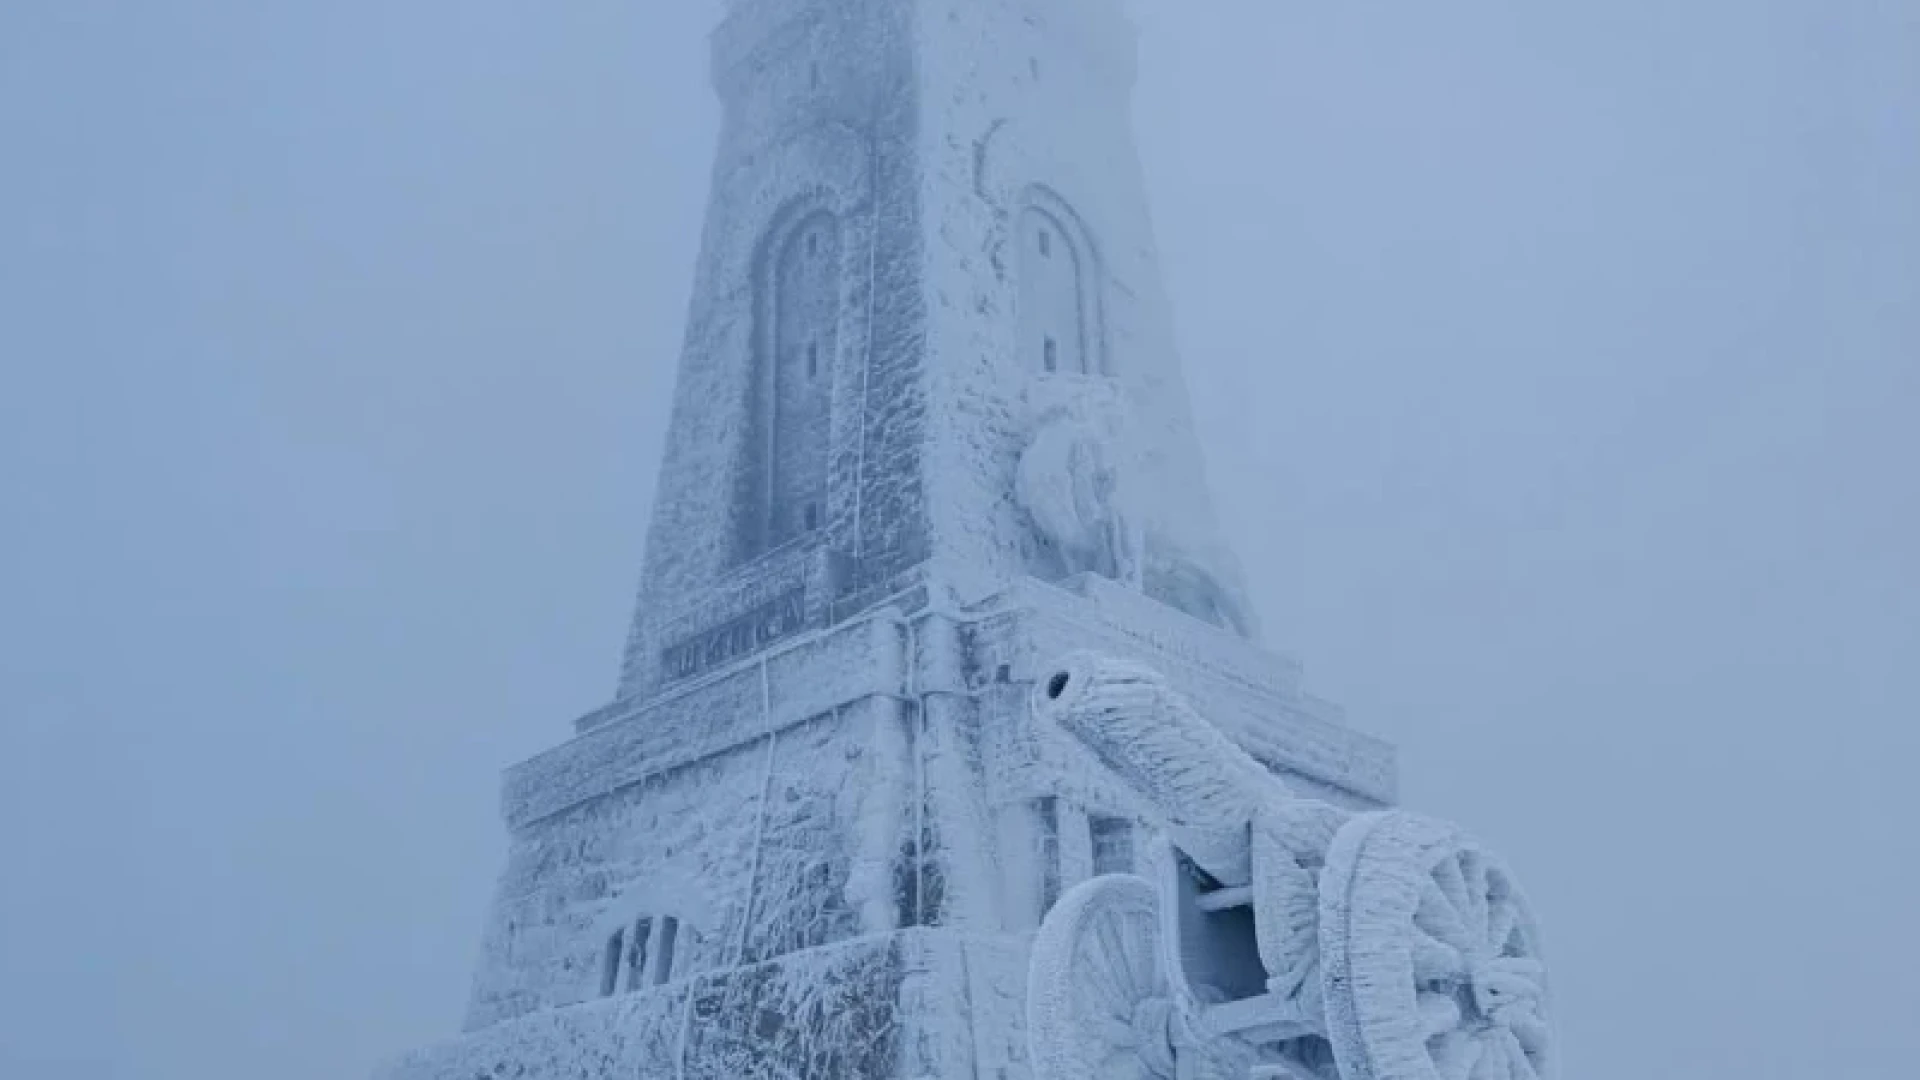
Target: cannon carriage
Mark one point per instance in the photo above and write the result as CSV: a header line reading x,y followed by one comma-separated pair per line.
x,y
1275,937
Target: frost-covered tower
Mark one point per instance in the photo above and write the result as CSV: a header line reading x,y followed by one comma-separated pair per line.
x,y
930,432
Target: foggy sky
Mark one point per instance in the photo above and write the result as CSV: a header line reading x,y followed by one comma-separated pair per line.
x,y
1556,366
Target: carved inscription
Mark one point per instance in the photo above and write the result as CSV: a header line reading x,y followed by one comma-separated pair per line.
x,y
737,637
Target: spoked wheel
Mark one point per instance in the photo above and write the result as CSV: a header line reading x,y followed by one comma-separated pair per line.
x,y
1099,1004
1430,958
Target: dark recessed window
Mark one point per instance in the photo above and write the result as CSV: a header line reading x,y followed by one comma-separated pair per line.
x,y
669,934
813,359
812,516
1050,355
610,968
1046,243
637,954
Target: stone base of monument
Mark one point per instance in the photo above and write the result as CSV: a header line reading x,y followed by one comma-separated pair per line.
x,y
909,1004
854,832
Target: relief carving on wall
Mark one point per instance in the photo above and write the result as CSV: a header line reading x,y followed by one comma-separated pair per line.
x,y
1086,483
1075,481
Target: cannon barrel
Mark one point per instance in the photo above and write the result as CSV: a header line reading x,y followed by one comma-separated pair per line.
x,y
1205,788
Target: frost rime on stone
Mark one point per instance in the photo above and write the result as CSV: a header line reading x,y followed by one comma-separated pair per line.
x,y
927,242
1274,933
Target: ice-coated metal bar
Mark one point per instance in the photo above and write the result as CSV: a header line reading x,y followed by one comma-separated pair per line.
x,y
1226,899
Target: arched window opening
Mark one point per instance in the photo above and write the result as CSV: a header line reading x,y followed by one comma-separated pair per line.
x,y
1055,335
799,337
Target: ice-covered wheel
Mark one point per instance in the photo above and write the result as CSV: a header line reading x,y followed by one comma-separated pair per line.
x,y
1099,1003
1430,957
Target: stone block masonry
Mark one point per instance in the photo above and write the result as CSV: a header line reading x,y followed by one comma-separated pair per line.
x,y
929,432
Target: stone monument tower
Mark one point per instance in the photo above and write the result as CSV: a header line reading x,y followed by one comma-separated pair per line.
x,y
930,432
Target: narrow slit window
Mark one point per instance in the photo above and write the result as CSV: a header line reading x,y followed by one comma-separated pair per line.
x,y
637,954
1050,355
814,75
812,516
1046,243
813,359
1033,65
1049,853
610,969
669,934
813,243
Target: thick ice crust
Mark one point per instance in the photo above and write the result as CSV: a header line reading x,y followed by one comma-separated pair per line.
x,y
828,1014
1432,961
1126,718
1097,956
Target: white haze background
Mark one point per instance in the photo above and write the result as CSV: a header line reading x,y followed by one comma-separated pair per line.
x,y
1558,366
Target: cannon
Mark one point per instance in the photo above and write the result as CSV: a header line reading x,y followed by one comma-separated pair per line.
x,y
1275,937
